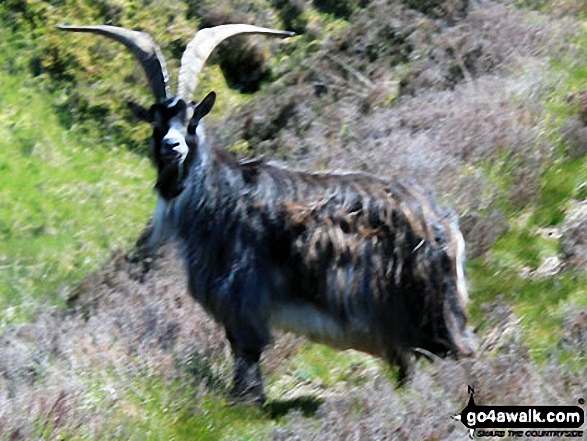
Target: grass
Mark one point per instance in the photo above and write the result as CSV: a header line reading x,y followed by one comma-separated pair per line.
x,y
561,183
156,410
321,366
538,301
565,179
65,202
570,7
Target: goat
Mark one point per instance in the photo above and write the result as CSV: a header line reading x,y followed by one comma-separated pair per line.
x,y
347,259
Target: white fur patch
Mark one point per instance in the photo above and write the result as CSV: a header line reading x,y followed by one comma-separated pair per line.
x,y
304,319
174,136
201,134
173,103
460,262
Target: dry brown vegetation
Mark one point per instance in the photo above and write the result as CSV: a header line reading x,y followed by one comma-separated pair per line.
x,y
458,107
438,95
74,370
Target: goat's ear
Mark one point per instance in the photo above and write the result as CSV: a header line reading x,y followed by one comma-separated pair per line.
x,y
204,107
140,112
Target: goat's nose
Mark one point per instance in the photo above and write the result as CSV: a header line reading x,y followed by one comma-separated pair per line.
x,y
170,144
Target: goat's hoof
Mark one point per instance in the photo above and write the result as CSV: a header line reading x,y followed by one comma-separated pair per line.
x,y
251,395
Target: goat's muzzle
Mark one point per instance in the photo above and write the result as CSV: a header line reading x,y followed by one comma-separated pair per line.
x,y
467,345
174,148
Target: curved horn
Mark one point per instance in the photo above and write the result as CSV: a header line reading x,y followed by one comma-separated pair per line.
x,y
202,45
142,46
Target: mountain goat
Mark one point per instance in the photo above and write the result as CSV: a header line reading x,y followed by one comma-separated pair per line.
x,y
347,259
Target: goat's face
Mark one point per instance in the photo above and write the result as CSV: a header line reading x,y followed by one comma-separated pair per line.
x,y
169,121
175,139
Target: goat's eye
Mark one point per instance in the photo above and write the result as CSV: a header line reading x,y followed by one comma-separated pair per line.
x,y
192,129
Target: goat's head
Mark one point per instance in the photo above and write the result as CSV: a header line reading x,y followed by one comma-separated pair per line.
x,y
174,118
175,139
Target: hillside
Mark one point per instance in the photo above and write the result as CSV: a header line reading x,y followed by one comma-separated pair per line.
x,y
483,102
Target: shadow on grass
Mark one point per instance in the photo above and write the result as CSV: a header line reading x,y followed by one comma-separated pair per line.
x,y
308,405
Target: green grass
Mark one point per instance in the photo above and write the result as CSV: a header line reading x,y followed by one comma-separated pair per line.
x,y
539,302
154,408
563,181
325,366
158,410
65,202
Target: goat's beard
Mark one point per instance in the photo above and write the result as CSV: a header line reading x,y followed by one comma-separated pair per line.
x,y
172,158
170,180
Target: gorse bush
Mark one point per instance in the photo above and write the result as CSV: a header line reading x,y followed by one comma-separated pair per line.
x,y
80,67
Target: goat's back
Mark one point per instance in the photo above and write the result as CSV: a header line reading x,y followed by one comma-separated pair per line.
x,y
344,258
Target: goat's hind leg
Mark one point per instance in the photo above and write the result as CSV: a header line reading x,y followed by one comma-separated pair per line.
x,y
403,360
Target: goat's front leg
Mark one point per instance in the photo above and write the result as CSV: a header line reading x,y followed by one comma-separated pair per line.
x,y
153,237
248,381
